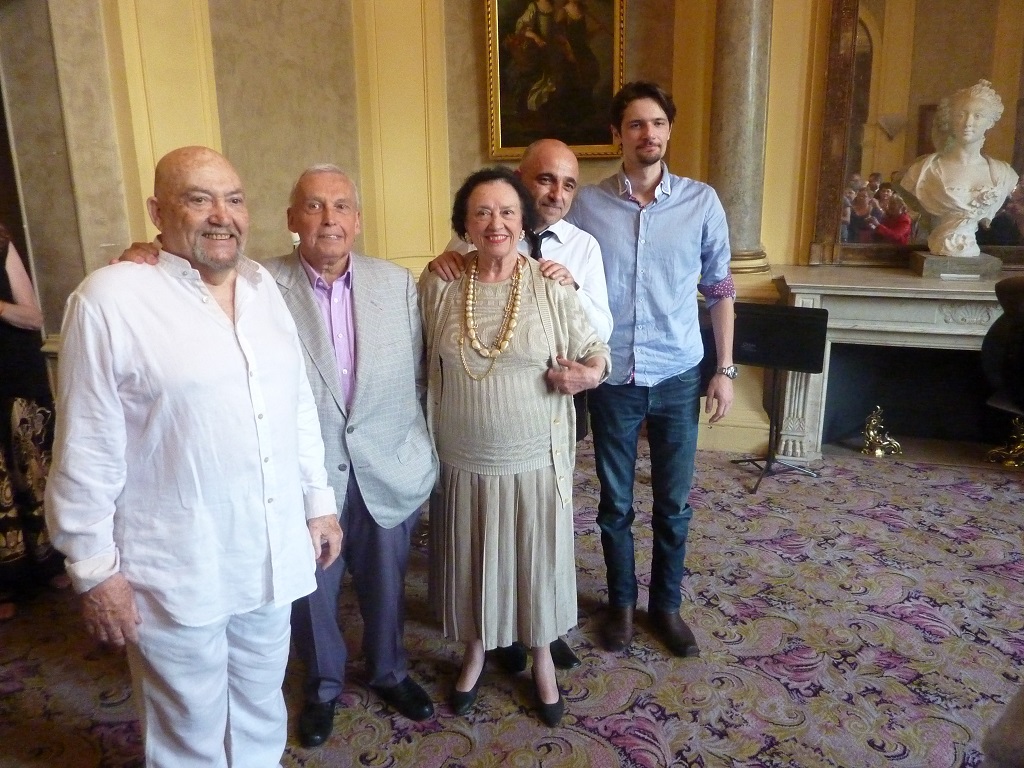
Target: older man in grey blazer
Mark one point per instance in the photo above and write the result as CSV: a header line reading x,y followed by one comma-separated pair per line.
x,y
360,329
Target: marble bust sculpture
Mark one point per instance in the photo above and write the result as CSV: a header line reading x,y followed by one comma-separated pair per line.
x,y
958,185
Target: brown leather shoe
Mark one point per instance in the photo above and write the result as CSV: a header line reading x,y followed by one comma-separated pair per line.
x,y
617,630
672,630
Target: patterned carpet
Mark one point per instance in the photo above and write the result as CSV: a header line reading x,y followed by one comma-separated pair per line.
x,y
871,617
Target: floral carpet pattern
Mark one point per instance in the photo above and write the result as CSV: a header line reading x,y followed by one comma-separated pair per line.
x,y
873,616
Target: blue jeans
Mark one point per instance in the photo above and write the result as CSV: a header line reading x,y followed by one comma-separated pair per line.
x,y
672,411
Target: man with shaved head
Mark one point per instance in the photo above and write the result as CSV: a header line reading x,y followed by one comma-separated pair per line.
x,y
188,488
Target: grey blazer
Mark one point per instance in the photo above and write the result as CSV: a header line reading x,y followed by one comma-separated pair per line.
x,y
384,437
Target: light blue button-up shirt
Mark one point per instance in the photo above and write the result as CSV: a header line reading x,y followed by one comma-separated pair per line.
x,y
656,257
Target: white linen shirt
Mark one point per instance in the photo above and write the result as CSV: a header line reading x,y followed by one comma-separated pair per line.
x,y
188,453
580,253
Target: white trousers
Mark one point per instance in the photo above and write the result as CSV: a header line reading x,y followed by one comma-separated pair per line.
x,y
211,696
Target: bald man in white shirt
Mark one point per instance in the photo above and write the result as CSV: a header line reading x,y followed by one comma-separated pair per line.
x,y
188,488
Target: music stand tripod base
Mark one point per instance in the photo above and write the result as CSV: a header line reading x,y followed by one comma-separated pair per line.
x,y
778,338
770,463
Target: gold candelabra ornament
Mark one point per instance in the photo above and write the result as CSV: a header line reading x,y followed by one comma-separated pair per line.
x,y
1011,454
876,438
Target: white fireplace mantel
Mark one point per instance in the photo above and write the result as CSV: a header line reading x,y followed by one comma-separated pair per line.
x,y
875,306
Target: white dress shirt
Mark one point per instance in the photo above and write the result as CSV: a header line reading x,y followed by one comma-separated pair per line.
x,y
188,453
578,252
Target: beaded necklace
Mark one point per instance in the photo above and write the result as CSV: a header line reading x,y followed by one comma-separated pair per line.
x,y
505,330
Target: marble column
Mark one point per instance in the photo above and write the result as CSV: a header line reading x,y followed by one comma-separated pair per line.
x,y
739,108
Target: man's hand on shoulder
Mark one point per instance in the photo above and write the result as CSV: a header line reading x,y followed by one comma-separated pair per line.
x,y
139,253
448,266
110,613
325,533
555,271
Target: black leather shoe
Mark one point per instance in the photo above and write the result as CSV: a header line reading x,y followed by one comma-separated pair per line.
x,y
408,699
674,632
617,630
551,714
562,655
463,701
512,658
316,723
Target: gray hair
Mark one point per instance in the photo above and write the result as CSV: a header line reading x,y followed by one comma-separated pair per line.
x,y
323,168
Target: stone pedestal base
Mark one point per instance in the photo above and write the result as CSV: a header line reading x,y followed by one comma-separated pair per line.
x,y
981,267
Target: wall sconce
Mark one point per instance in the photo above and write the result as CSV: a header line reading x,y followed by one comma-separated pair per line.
x,y
892,125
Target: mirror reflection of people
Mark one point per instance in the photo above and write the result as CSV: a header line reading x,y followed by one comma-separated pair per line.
x,y
896,226
863,221
885,191
1007,226
844,217
959,185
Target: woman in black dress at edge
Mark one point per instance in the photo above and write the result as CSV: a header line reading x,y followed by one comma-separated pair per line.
x,y
27,558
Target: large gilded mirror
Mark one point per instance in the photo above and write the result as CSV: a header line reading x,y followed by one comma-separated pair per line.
x,y
890,63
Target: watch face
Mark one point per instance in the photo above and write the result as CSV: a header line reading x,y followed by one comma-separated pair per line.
x,y
730,371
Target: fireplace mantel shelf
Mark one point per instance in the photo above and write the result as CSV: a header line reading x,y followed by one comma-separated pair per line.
x,y
875,306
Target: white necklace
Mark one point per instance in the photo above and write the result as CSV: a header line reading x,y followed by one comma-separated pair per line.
x,y
508,321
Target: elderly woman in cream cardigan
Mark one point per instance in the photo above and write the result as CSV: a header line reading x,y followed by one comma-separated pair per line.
x,y
958,185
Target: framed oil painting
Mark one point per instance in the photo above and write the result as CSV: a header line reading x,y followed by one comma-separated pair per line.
x,y
553,67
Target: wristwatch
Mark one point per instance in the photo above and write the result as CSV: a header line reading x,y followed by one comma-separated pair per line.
x,y
730,371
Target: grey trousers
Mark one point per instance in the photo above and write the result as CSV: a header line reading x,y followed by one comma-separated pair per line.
x,y
377,558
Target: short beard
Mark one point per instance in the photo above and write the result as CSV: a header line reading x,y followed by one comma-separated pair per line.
x,y
647,160
200,257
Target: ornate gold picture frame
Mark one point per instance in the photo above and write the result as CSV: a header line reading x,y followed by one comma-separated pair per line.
x,y
552,69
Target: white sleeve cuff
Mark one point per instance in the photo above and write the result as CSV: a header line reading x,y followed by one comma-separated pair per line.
x,y
93,571
320,502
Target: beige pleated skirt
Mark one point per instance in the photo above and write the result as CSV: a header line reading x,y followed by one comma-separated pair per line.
x,y
502,559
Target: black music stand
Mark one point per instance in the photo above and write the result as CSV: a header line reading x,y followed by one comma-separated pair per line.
x,y
780,338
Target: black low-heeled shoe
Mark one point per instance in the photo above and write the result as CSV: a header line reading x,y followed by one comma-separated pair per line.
x,y
462,701
551,714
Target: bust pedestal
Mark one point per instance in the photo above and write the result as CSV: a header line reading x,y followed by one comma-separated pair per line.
x,y
980,267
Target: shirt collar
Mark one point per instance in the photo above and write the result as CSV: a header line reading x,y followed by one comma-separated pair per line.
x,y
664,186
345,278
560,229
246,268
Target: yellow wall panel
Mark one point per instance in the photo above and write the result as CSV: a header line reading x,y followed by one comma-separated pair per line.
x,y
165,52
402,119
